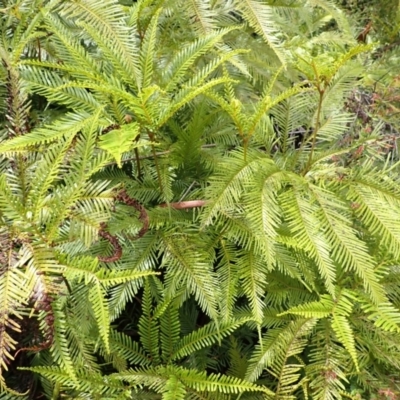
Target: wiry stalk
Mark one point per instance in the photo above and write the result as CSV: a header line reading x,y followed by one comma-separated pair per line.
x,y
153,150
316,129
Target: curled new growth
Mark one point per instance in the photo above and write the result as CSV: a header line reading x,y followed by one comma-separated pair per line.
x,y
123,197
110,128
143,217
113,240
48,334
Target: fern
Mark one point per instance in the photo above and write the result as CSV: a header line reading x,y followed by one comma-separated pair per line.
x,y
193,205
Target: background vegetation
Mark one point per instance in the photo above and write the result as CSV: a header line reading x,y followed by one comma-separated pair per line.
x,y
199,199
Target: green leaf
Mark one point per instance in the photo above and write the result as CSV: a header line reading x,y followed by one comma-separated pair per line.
x,y
119,141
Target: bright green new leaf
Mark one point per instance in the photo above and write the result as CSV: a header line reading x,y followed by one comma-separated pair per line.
x,y
119,141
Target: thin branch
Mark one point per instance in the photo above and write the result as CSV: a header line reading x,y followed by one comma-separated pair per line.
x,y
187,191
183,205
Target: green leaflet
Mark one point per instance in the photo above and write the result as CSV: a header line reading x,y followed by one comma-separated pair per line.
x,y
119,141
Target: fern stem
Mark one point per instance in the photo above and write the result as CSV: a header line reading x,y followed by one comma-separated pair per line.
x,y
138,166
153,150
316,129
157,168
245,146
184,205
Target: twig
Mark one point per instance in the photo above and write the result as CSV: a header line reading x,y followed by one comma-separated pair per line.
x,y
187,191
183,205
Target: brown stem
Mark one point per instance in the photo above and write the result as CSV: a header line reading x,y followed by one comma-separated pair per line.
x,y
113,240
183,205
143,217
137,159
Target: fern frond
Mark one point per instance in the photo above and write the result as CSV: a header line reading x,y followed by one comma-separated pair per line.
x,y
143,258
333,11
188,268
59,89
267,102
253,282
174,389
327,364
47,171
97,298
85,384
262,208
201,13
60,350
317,309
67,126
105,22
69,48
170,328
277,346
377,218
157,377
205,337
147,50
260,17
226,189
385,316
334,127
127,348
13,296
340,87
184,96
345,335
177,68
348,250
301,217
148,327
228,277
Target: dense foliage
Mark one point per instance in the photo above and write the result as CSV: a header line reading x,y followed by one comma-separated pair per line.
x,y
198,200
